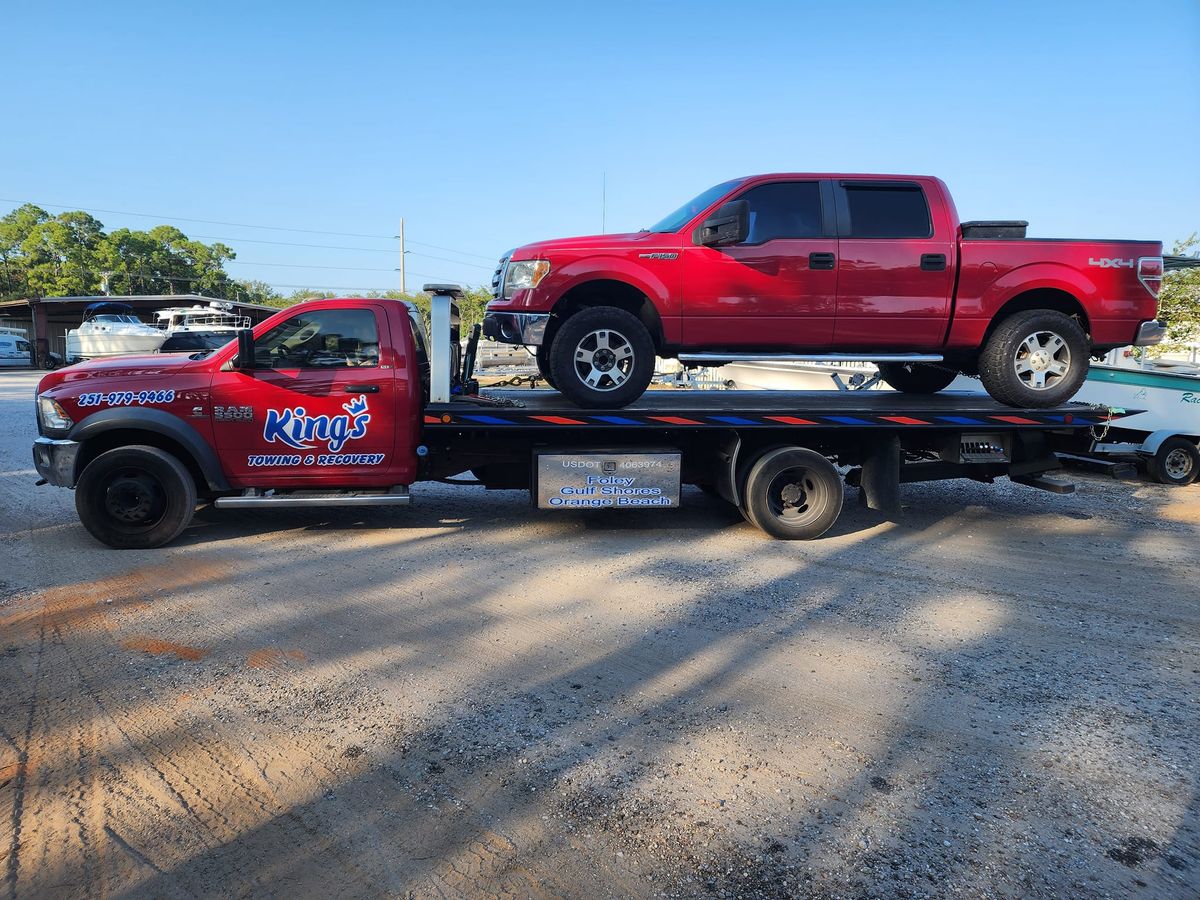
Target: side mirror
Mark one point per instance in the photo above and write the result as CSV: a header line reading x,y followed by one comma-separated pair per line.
x,y
728,225
245,349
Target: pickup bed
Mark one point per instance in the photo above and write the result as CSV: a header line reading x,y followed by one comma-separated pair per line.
x,y
348,403
816,266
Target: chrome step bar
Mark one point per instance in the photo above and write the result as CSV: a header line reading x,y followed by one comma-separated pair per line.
x,y
253,497
809,357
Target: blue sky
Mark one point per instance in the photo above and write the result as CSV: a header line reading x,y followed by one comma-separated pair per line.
x,y
489,125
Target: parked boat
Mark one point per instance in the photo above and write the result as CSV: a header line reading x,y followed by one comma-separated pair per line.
x,y
112,329
216,316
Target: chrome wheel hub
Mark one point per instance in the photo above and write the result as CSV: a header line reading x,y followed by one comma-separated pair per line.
x,y
604,359
1042,360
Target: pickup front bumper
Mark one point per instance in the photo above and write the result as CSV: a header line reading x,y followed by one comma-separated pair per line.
x,y
1150,333
55,460
516,328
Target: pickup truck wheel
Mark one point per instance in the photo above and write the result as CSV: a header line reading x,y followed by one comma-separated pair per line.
x,y
792,493
135,497
1037,358
542,356
1177,462
602,357
916,378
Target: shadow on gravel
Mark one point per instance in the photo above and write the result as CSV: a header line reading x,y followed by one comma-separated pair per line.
x,y
961,727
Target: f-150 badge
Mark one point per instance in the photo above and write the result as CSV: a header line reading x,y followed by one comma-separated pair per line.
x,y
297,429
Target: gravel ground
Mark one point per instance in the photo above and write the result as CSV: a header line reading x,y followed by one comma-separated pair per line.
x,y
996,696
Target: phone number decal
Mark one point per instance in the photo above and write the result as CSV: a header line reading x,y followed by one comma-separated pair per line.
x,y
127,398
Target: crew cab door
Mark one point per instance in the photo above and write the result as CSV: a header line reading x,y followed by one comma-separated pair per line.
x,y
896,264
776,290
319,407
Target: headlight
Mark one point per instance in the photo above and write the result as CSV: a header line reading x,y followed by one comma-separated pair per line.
x,y
53,416
526,273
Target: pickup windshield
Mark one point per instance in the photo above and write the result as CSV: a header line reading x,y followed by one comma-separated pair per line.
x,y
685,213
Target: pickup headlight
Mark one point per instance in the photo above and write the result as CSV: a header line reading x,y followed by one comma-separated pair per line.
x,y
53,416
527,273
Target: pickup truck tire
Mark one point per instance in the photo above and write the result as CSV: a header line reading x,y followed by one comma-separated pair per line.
x,y
135,498
542,357
916,378
602,357
1176,462
792,493
1037,358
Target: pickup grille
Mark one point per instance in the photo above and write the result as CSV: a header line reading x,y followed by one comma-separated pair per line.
x,y
498,277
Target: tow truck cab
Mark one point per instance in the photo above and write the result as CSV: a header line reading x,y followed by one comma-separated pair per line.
x,y
347,402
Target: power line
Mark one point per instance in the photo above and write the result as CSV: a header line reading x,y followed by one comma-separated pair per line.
x,y
212,237
238,262
381,237
121,212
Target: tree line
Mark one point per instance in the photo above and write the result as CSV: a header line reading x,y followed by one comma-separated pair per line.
x,y
71,255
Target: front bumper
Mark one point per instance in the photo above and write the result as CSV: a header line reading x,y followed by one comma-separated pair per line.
x,y
516,328
55,460
1150,333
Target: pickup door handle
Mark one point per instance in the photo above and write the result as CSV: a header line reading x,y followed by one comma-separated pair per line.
x,y
821,260
361,389
933,262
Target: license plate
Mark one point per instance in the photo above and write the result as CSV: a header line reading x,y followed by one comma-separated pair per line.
x,y
608,480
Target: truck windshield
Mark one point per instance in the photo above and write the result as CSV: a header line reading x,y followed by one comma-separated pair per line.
x,y
685,213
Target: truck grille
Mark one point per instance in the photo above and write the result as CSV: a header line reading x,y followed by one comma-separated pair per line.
x,y
498,276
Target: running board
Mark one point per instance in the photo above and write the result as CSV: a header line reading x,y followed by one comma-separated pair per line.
x,y
397,496
809,357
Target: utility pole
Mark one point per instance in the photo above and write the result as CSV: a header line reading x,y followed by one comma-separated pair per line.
x,y
403,284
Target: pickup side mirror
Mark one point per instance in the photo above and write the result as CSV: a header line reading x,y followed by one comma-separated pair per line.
x,y
730,224
245,349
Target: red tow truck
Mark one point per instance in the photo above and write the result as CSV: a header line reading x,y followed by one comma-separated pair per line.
x,y
347,403
822,267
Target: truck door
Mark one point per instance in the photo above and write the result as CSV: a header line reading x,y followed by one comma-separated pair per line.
x,y
776,290
895,268
319,407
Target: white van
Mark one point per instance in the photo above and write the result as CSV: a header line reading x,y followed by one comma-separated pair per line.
x,y
14,349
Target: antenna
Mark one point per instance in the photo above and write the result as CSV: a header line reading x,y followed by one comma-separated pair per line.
x,y
604,202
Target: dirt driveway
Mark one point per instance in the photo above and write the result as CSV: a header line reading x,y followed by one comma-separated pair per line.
x,y
996,696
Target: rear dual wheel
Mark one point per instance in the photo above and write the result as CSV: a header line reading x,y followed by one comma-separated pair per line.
x,y
792,493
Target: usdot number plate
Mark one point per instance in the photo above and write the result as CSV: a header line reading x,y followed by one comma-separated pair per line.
x,y
607,480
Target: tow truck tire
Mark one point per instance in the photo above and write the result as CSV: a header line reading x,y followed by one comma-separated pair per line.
x,y
607,347
1176,462
1037,358
792,493
541,356
135,498
916,378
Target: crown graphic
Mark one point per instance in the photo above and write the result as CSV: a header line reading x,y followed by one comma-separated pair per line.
x,y
357,406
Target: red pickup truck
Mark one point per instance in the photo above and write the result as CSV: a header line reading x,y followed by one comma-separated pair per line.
x,y
810,266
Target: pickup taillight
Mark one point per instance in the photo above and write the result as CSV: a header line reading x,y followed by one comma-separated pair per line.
x,y
1150,274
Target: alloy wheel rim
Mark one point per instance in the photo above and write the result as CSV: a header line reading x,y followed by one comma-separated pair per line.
x,y
1042,360
604,359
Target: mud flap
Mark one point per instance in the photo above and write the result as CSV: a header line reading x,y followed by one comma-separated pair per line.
x,y
879,479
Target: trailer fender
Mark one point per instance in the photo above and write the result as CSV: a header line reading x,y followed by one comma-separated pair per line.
x,y
1151,444
155,421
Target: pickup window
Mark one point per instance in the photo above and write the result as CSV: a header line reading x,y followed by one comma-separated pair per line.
x,y
322,339
886,211
785,209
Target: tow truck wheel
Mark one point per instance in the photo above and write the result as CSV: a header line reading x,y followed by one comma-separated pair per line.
x,y
134,498
792,493
542,357
1176,462
916,378
602,357
1036,358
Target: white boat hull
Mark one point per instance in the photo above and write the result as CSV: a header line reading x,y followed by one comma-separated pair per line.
x,y
1171,401
90,346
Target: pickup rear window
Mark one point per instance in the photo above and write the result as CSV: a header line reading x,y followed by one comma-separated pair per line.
x,y
887,211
